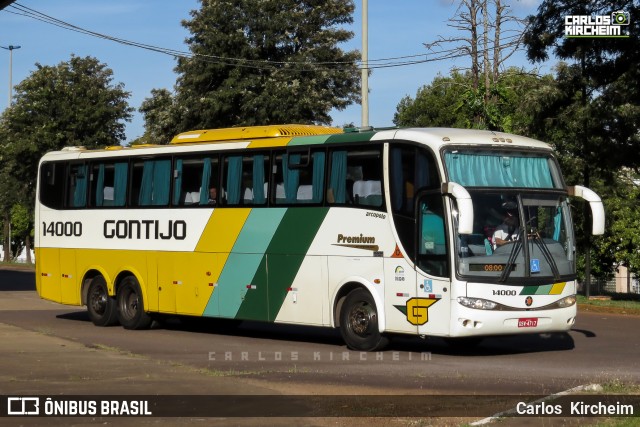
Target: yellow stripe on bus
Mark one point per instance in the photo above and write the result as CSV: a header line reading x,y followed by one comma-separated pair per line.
x,y
270,142
557,288
222,230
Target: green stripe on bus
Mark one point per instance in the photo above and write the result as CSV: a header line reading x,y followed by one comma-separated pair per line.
x,y
285,255
243,264
536,290
308,140
544,290
350,137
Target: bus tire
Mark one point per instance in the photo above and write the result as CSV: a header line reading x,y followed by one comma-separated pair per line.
x,y
359,322
131,312
102,308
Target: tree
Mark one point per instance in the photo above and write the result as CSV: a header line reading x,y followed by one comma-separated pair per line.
x,y
622,241
258,63
593,113
489,35
604,74
72,103
8,197
453,102
21,230
160,113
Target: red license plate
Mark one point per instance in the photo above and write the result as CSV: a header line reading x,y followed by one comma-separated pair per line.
x,y
528,322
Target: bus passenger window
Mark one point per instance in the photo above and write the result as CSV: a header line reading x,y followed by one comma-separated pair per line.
x,y
77,181
109,184
195,179
355,177
151,180
299,178
244,179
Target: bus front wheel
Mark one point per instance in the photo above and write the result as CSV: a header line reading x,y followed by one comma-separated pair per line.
x,y
101,307
131,312
359,322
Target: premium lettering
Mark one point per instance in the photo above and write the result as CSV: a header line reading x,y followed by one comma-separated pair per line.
x,y
356,239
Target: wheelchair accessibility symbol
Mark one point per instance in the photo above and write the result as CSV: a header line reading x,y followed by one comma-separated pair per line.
x,y
535,266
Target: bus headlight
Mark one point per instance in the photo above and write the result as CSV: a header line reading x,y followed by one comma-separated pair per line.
x,y
566,301
477,303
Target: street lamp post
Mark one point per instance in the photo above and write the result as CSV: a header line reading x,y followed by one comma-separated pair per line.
x,y
365,64
10,48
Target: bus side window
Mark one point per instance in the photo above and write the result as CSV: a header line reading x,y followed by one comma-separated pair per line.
x,y
432,249
52,179
193,179
299,177
355,177
244,178
77,181
151,182
109,184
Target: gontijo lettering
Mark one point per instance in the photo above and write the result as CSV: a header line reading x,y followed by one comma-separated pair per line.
x,y
145,229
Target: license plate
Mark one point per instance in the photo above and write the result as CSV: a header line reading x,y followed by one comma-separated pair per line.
x,y
528,322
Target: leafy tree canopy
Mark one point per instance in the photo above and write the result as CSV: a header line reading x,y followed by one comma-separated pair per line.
x,y
257,63
72,103
453,102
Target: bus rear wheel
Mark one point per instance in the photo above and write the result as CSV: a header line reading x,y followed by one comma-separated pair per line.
x,y
359,322
131,312
102,308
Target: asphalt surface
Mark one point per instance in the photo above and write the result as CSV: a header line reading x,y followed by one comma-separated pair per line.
x,y
52,349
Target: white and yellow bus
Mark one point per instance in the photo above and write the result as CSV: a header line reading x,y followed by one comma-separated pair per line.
x,y
373,232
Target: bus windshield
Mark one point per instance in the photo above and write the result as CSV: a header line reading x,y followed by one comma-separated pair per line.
x,y
517,236
522,228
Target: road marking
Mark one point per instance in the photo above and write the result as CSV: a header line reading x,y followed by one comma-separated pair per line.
x,y
586,387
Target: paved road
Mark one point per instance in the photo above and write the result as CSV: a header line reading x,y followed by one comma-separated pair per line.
x,y
46,348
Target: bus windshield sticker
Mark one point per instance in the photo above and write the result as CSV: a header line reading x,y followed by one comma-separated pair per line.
x,y
535,266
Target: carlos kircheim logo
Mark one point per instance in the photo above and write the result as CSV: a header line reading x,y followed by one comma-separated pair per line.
x,y
614,25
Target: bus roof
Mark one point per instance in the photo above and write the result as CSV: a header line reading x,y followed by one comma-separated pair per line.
x,y
289,135
252,132
436,138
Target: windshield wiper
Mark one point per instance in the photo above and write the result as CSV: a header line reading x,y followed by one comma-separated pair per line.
x,y
513,255
537,239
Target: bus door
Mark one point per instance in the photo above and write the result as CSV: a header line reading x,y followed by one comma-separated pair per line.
x,y
430,309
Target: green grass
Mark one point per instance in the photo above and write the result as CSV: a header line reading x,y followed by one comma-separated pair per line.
x,y
17,265
619,303
619,387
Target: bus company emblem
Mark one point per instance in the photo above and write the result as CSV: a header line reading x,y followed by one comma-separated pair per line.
x,y
399,274
528,301
417,309
357,242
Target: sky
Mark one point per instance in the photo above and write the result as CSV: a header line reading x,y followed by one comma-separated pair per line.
x,y
396,28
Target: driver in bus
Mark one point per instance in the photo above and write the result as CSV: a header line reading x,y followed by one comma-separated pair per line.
x,y
507,231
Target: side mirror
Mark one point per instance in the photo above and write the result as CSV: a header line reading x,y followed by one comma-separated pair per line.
x,y
597,209
465,206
